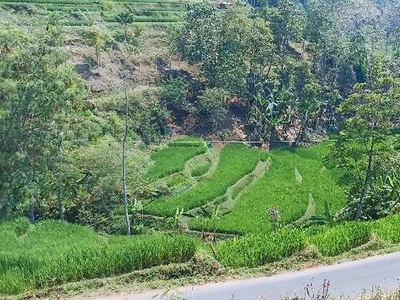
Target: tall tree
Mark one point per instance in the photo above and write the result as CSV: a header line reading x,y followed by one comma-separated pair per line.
x,y
36,86
98,40
287,21
364,149
128,39
232,47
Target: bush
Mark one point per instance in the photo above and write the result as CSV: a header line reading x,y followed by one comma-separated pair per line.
x,y
212,109
258,250
341,238
174,94
92,181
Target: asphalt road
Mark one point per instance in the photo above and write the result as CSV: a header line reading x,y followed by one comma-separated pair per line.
x,y
346,279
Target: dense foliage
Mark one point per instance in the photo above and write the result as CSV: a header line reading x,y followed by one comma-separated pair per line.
x,y
288,63
39,91
365,148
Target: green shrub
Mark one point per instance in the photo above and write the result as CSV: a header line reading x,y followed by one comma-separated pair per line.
x,y
258,250
211,108
77,23
341,238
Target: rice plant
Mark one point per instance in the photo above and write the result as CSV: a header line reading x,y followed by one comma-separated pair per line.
x,y
153,1
235,162
141,19
387,228
79,2
53,253
172,159
341,238
70,8
175,180
279,188
201,169
258,250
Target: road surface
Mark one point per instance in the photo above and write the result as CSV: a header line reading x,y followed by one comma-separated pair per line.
x,y
346,279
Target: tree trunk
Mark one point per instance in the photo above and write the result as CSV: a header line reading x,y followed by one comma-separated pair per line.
x,y
3,201
32,211
125,57
59,182
125,198
366,181
303,129
252,84
97,50
272,138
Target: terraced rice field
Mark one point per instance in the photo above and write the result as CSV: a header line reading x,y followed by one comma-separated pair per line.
x,y
235,161
87,12
172,158
294,181
52,253
292,177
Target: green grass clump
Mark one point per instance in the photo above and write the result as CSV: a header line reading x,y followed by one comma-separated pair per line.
x,y
175,180
172,159
341,238
279,188
235,162
388,228
201,169
258,250
52,253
